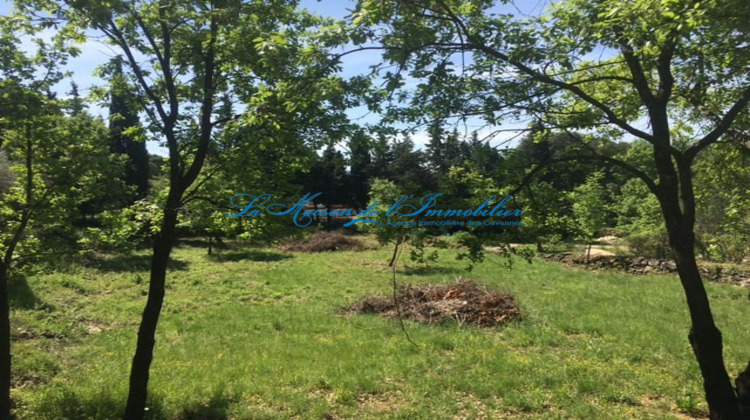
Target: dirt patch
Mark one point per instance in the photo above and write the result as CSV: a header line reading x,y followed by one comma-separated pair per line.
x,y
598,251
462,301
661,405
608,239
382,403
323,242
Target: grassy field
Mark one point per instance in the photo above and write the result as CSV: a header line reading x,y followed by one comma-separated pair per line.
x,y
255,334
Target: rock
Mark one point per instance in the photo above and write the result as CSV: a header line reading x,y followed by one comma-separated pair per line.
x,y
641,265
93,329
607,239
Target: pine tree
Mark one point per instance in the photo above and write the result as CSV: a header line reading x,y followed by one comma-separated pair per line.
x,y
124,127
435,147
75,103
360,162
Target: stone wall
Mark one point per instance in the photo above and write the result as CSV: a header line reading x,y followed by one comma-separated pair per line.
x,y
641,265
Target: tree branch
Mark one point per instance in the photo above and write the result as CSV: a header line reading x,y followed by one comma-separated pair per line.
x,y
476,44
116,36
723,125
639,78
207,104
164,61
664,69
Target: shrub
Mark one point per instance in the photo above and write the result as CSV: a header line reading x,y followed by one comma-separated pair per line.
x,y
651,244
732,247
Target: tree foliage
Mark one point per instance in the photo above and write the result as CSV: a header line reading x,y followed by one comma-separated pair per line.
x,y
601,66
126,135
187,64
42,148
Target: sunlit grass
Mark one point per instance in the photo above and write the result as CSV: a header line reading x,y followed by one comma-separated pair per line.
x,y
255,333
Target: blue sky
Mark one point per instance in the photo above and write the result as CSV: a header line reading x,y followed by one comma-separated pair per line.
x,y
94,53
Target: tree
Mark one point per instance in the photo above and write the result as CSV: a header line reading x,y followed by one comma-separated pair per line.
x,y
181,58
723,202
445,149
126,137
59,163
273,165
435,147
381,158
408,169
485,158
75,104
548,218
6,177
676,64
328,176
34,141
360,161
590,208
637,211
391,228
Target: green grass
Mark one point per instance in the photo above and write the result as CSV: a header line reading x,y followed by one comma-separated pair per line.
x,y
255,334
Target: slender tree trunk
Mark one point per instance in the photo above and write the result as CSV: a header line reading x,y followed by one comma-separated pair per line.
x,y
5,265
677,201
395,253
144,351
705,338
5,358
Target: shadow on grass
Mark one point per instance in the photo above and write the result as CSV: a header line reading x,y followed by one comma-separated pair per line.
x,y
429,270
201,243
131,263
222,245
65,403
20,294
249,255
215,409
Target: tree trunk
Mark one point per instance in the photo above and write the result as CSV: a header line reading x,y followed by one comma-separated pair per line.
x,y
395,254
144,351
5,358
705,338
743,391
677,201
5,265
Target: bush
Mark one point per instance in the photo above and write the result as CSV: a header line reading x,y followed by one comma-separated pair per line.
x,y
610,231
651,244
728,247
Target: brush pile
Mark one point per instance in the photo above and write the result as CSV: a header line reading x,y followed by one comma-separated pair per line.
x,y
323,242
463,301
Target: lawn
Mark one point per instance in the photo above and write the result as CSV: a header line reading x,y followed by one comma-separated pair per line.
x,y
254,333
